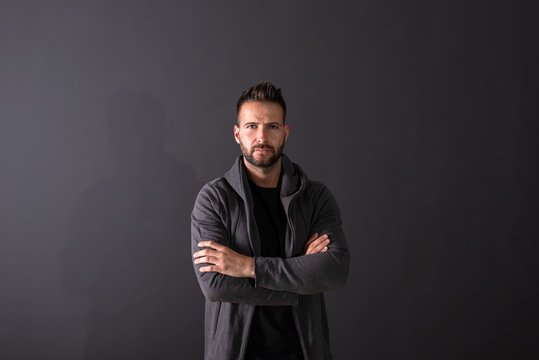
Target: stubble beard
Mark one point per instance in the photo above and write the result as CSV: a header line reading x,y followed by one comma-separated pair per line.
x,y
264,163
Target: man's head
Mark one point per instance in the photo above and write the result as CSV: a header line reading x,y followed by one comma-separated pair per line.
x,y
261,131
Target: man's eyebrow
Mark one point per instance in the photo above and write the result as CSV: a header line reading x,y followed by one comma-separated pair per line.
x,y
258,123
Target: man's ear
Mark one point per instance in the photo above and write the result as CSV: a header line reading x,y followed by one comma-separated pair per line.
x,y
286,131
237,133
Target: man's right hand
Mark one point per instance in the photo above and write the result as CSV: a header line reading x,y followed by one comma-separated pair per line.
x,y
316,244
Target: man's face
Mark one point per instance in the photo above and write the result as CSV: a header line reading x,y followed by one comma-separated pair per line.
x,y
261,133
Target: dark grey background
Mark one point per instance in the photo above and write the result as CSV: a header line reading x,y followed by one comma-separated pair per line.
x,y
419,115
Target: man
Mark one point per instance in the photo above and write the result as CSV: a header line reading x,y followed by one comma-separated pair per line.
x,y
263,276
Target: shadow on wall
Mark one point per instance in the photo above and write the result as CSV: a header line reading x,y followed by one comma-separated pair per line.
x,y
128,246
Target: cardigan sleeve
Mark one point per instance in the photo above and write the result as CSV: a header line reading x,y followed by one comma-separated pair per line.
x,y
207,224
315,273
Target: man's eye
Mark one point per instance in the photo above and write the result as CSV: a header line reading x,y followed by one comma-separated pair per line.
x,y
273,126
251,126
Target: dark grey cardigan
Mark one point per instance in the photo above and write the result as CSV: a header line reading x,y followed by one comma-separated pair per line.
x,y
223,212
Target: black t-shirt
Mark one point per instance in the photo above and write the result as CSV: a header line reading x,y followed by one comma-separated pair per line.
x,y
273,332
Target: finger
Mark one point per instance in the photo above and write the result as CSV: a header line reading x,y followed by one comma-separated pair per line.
x,y
205,252
318,241
206,259
211,244
309,242
319,245
209,268
312,238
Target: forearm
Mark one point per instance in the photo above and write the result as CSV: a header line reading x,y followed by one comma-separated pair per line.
x,y
306,274
224,288
219,287
315,273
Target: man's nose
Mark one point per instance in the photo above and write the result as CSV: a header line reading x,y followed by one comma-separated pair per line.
x,y
261,135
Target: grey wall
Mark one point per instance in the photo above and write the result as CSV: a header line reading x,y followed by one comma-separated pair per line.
x,y
419,115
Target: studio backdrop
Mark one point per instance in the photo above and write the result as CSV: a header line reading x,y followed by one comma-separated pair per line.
x,y
418,116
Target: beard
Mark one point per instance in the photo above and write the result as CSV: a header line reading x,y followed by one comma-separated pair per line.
x,y
248,154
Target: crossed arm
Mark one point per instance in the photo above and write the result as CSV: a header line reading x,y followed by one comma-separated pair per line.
x,y
226,261
228,276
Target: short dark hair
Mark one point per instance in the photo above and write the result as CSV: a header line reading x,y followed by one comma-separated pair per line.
x,y
263,92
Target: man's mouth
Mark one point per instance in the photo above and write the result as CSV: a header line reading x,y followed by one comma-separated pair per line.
x,y
263,150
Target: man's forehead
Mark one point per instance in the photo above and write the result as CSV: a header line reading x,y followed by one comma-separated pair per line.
x,y
261,112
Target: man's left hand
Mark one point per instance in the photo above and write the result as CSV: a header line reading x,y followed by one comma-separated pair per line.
x,y
224,260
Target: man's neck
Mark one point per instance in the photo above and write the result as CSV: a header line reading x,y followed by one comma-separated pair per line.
x,y
264,177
